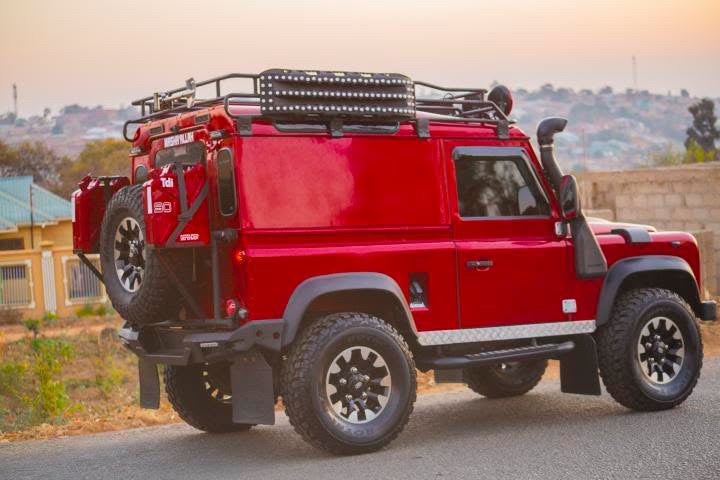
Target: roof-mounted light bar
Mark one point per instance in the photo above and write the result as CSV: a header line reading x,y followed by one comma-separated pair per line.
x,y
336,94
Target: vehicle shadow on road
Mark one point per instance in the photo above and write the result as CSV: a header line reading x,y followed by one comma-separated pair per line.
x,y
454,416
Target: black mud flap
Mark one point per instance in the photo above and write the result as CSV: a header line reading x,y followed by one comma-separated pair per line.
x,y
253,398
579,368
149,384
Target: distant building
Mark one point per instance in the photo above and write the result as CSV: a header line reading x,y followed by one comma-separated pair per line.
x,y
38,271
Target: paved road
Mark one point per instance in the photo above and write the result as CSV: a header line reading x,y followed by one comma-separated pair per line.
x,y
544,434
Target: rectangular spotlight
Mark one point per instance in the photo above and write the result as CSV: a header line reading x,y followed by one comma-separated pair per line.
x,y
292,93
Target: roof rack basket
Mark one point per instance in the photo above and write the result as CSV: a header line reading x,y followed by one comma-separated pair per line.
x,y
329,98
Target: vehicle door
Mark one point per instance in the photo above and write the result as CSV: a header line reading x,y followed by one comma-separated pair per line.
x,y
511,263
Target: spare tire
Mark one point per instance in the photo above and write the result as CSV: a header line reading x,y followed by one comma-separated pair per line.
x,y
135,282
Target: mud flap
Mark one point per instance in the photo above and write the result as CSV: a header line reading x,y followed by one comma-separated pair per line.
x,y
579,368
149,384
253,399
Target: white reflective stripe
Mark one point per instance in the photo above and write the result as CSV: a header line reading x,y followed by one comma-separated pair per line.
x,y
511,332
149,200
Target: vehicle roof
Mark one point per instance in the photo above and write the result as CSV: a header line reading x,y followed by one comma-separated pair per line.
x,y
218,119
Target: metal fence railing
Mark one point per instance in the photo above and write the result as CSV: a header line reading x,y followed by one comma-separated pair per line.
x,y
82,284
15,285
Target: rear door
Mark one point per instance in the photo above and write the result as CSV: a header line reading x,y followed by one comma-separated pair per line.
x,y
511,265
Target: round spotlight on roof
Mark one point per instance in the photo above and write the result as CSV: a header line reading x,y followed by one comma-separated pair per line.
x,y
501,96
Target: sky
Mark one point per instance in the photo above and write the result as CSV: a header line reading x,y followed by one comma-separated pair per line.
x,y
110,52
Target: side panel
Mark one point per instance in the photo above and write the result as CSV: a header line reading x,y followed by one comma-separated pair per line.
x,y
616,249
321,182
353,204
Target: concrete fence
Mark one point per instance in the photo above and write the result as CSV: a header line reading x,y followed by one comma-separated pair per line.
x,y
33,282
685,197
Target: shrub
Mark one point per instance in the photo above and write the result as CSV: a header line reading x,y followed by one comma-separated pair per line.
x,y
49,318
11,378
109,372
33,324
86,310
49,400
103,310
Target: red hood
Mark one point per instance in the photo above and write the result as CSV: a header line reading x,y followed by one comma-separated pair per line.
x,y
601,226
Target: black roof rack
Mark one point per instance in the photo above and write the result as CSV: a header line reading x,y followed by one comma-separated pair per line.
x,y
329,97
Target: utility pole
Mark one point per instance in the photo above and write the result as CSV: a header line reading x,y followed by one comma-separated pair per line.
x,y
32,219
585,166
15,100
634,72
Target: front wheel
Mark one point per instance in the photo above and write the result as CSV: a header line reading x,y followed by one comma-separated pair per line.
x,y
349,383
650,352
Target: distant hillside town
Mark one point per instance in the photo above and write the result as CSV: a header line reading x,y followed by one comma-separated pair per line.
x,y
607,130
68,130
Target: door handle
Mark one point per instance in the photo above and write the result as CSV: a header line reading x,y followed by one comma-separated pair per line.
x,y
479,264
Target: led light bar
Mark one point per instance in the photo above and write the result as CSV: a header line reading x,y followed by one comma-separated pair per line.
x,y
289,93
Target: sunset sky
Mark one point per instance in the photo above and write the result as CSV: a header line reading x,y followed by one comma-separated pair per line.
x,y
110,52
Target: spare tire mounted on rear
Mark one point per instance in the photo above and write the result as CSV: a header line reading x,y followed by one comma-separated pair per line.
x,y
134,279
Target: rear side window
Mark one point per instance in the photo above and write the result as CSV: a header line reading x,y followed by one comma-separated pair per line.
x,y
188,154
497,187
226,182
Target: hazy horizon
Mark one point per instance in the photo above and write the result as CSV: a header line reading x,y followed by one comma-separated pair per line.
x,y
109,53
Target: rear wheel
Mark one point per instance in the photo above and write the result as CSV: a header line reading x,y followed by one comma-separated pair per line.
x,y
505,379
349,383
201,395
650,352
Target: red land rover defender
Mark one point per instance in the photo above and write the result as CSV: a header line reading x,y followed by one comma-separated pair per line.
x,y
325,234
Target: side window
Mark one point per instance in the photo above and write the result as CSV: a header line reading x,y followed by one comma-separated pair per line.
x,y
226,182
497,187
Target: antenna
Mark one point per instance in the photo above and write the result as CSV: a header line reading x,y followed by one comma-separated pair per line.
x,y
634,72
15,99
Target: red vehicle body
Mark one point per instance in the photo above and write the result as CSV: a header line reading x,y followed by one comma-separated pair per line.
x,y
288,225
315,210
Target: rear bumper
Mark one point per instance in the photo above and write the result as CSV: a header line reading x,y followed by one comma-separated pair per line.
x,y
708,310
173,346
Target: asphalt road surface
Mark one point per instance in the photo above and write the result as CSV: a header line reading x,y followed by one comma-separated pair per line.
x,y
458,434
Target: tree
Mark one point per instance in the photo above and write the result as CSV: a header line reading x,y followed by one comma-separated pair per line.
x,y
101,157
666,157
703,132
35,159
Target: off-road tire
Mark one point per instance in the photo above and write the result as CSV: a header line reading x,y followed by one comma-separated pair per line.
x,y
618,349
492,382
156,299
304,383
187,393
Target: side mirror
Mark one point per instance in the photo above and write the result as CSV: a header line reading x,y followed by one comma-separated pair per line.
x,y
569,200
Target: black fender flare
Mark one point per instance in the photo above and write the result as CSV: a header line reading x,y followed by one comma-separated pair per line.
x,y
622,269
314,287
